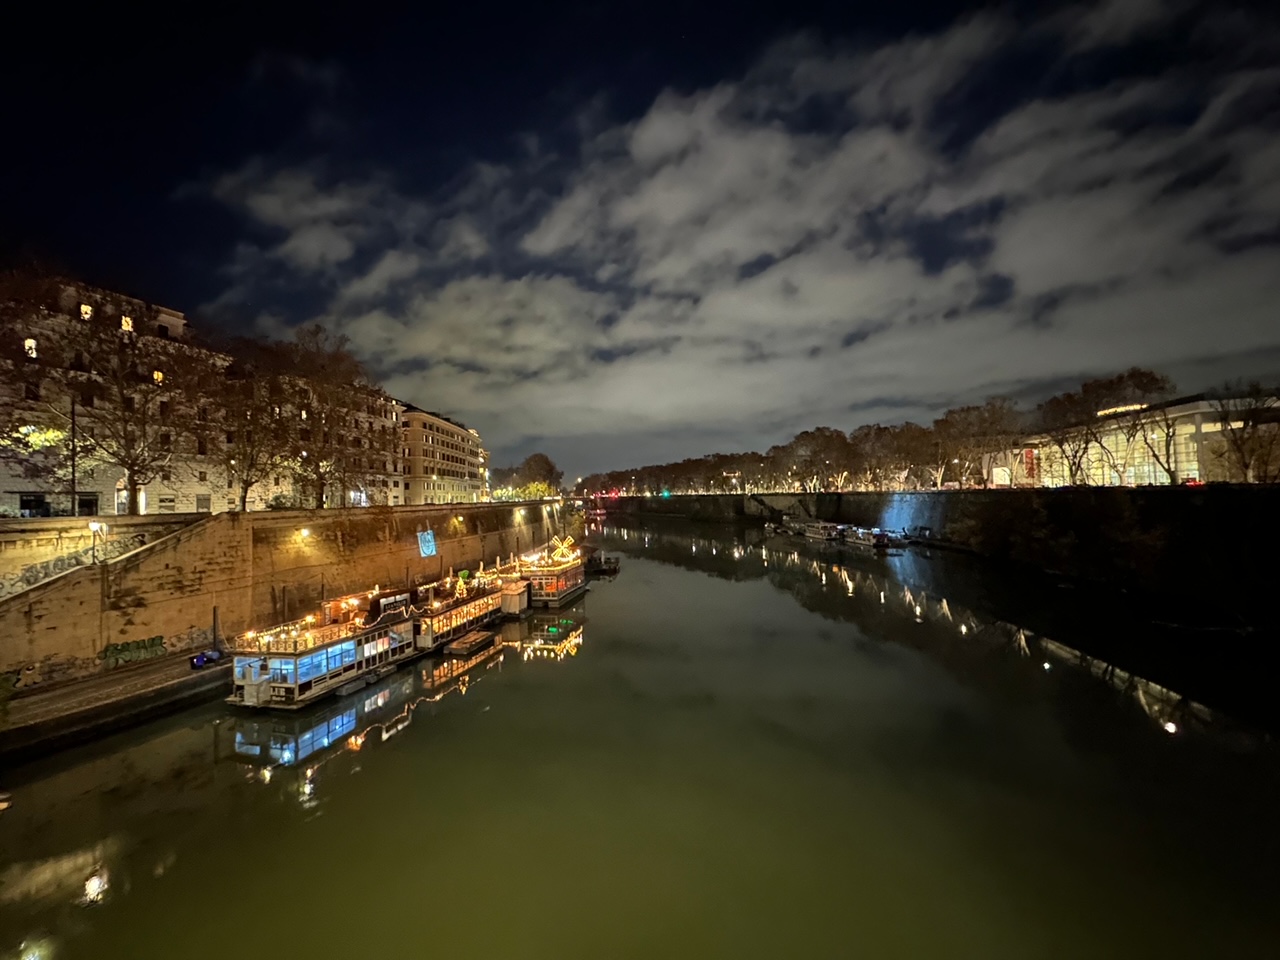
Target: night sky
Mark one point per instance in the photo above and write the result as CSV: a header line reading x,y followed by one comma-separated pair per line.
x,y
625,233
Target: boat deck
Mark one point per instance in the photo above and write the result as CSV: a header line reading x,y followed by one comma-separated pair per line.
x,y
468,644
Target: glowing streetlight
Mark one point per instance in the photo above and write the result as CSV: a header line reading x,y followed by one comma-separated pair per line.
x,y
304,533
96,529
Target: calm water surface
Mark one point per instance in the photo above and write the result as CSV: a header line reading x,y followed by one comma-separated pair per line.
x,y
735,749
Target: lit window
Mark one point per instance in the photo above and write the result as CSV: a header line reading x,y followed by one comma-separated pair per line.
x,y
126,324
29,347
157,376
86,312
304,414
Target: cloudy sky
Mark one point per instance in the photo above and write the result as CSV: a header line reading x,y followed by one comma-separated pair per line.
x,y
625,234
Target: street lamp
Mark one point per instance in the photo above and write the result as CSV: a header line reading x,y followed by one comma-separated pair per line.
x,y
96,529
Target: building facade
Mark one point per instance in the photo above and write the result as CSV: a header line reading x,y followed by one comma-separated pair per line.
x,y
443,460
68,403
1194,439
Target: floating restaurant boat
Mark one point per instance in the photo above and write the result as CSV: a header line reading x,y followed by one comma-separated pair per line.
x,y
443,620
308,739
356,640
556,576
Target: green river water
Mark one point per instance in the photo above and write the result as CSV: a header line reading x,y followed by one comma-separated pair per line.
x,y
735,749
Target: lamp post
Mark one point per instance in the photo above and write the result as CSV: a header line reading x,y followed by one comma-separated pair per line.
x,y
96,529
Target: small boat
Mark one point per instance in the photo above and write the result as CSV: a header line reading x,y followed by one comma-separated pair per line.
x,y
467,645
875,539
353,686
602,566
822,531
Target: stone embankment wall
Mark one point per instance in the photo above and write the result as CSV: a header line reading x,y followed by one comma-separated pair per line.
x,y
1163,539
232,572
32,551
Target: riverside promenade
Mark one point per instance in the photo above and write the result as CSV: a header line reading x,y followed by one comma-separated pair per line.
x,y
63,714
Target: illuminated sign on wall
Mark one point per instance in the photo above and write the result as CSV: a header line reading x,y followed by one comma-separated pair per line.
x,y
427,543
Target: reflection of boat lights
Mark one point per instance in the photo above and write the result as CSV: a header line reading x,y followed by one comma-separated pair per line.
x,y
41,949
917,609
95,888
36,949
1170,727
265,774
882,596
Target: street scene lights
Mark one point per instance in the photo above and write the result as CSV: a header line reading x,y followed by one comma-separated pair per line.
x,y
96,529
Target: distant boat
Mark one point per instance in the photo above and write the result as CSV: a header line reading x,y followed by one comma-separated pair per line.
x,y
822,531
599,565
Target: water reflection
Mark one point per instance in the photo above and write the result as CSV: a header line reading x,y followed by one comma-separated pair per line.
x,y
282,758
883,592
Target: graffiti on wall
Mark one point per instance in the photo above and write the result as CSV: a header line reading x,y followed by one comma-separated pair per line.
x,y
34,573
117,654
56,669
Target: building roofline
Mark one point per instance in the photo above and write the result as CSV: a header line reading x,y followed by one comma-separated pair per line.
x,y
411,408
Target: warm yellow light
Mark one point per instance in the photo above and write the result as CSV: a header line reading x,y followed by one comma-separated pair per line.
x,y
304,533
126,324
1123,408
29,347
86,312
157,376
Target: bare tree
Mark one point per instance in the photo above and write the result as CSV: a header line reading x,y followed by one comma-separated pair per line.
x,y
1249,417
131,396
1120,421
244,422
344,442
1064,419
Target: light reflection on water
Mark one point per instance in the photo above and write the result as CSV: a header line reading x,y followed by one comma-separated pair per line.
x,y
752,749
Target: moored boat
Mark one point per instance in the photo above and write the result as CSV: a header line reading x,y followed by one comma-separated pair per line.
x,y
468,644
356,640
556,576
822,531
292,664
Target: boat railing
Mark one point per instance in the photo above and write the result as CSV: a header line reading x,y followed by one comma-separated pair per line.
x,y
298,636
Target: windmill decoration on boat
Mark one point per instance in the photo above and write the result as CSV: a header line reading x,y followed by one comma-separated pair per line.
x,y
563,548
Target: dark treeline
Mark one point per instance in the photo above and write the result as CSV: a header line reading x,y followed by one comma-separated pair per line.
x,y
1090,435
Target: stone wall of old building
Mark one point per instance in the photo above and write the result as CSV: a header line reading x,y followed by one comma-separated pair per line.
x,y
232,572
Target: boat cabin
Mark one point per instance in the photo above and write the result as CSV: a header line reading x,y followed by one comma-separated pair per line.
x,y
556,576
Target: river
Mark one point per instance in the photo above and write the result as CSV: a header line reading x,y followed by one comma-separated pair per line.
x,y
739,747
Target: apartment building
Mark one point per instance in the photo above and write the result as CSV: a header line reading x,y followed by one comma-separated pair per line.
x,y
443,460
69,405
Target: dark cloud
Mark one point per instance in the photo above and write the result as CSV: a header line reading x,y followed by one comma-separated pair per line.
x,y
997,206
